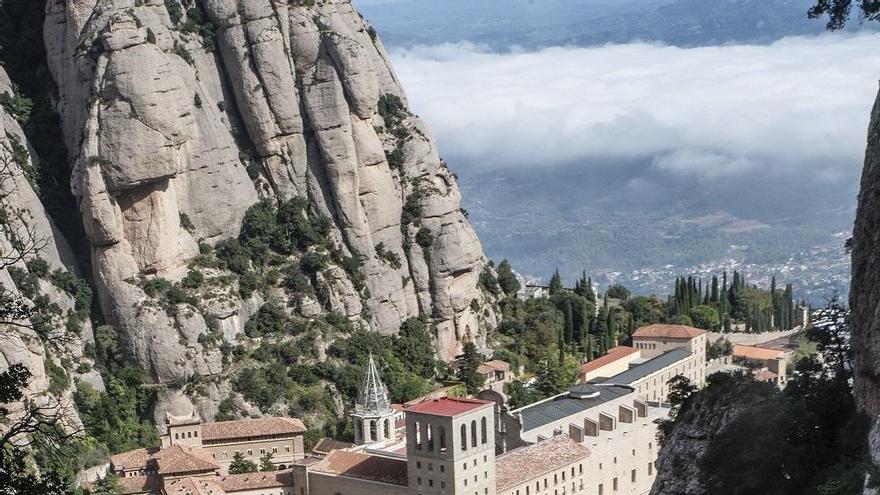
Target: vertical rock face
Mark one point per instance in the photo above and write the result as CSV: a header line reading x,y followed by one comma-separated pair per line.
x,y
180,117
34,258
865,289
865,293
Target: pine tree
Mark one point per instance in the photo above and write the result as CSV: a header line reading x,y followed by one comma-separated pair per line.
x,y
555,283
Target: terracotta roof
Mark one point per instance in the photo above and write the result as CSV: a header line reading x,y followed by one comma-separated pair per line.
x,y
133,459
669,331
249,428
325,445
363,466
757,353
613,355
254,481
434,394
178,459
765,376
193,486
448,406
494,365
527,463
140,484
398,407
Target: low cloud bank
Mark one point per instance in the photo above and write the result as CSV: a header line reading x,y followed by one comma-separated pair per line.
x,y
796,108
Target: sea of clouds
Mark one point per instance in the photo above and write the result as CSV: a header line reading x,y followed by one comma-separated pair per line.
x,y
796,108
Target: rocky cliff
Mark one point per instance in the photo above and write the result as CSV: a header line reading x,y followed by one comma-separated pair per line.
x,y
865,286
227,155
47,325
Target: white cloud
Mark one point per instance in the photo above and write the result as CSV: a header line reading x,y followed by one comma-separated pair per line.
x,y
799,106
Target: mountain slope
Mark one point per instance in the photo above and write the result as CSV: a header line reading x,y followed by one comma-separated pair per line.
x,y
231,154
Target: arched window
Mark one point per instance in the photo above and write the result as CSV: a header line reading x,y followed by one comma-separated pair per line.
x,y
463,437
418,435
441,432
430,437
474,433
373,432
483,430
387,428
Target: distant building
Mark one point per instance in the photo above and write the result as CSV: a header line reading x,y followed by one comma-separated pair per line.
x,y
533,291
616,360
767,364
667,351
497,373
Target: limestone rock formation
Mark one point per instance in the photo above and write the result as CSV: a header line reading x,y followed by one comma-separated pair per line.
x,y
179,116
865,286
34,258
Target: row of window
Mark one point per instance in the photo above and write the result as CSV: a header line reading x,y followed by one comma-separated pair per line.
x,y
250,452
189,434
441,435
601,488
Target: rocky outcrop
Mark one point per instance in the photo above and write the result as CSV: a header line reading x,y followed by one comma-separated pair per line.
x,y
865,286
49,337
180,117
709,416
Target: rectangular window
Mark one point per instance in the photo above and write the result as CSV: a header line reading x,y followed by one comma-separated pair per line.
x,y
614,484
601,489
262,450
650,468
632,475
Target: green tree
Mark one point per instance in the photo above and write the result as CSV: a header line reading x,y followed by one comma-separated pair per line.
x,y
555,377
618,291
705,317
555,283
507,279
241,465
266,463
468,362
414,346
108,485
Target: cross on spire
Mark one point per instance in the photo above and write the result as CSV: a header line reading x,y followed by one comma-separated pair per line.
x,y
373,397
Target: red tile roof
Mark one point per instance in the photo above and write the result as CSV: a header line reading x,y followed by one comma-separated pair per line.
x,y
177,459
668,331
325,445
494,365
192,486
527,463
136,485
765,376
756,353
133,459
254,481
613,355
249,428
448,406
363,466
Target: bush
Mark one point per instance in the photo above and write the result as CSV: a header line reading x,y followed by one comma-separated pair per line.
x,y
19,107
424,238
76,287
58,379
156,286
392,109
38,267
193,280
271,319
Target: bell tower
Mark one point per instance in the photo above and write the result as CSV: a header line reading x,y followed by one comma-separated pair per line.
x,y
373,417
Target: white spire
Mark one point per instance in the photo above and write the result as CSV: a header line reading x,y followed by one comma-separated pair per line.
x,y
373,398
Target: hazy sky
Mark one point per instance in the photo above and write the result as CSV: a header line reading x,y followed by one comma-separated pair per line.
x,y
796,108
